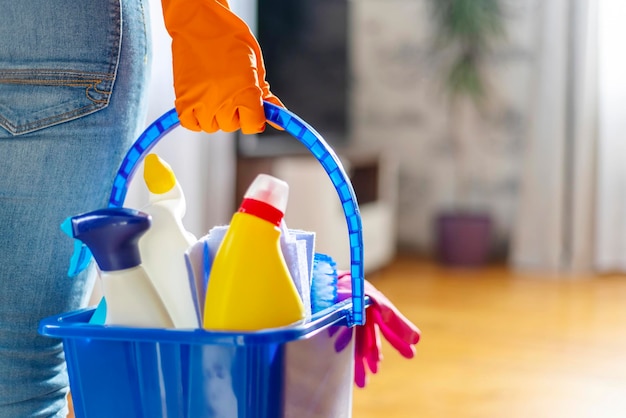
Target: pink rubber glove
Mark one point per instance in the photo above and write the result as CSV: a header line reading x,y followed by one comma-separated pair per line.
x,y
381,317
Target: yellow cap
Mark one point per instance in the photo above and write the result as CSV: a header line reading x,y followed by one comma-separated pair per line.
x,y
158,175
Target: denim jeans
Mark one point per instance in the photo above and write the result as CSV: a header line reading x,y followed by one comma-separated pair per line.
x,y
73,76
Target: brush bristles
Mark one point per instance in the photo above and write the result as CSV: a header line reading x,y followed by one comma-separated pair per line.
x,y
324,283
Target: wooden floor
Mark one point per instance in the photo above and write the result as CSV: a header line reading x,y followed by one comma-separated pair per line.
x,y
498,344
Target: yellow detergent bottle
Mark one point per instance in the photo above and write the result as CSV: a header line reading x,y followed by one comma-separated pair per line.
x,y
250,287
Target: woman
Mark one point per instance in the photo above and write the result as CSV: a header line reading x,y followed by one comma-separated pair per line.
x,y
73,79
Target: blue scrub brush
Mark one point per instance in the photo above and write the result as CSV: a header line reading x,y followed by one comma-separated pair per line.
x,y
323,283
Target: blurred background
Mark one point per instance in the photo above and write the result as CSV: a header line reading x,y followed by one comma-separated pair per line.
x,y
484,141
535,154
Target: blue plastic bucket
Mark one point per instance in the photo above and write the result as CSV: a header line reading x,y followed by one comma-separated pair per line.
x,y
295,371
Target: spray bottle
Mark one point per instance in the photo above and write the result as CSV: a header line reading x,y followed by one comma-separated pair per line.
x,y
250,287
111,235
163,247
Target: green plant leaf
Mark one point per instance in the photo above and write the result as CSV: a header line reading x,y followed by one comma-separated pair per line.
x,y
467,27
464,79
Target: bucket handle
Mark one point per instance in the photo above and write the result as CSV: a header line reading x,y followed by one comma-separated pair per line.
x,y
312,140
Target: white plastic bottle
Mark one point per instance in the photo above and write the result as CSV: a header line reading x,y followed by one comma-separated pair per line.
x,y
112,235
163,246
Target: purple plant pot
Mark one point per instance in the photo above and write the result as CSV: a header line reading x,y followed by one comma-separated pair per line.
x,y
463,239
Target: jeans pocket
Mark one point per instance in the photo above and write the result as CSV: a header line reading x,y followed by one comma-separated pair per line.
x,y
57,68
33,100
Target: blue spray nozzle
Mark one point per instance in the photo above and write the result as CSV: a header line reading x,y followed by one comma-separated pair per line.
x,y
112,235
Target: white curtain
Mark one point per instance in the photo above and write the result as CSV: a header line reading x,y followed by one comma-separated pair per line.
x,y
572,208
610,251
555,225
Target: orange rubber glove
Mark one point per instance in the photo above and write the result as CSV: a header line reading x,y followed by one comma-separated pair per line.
x,y
219,75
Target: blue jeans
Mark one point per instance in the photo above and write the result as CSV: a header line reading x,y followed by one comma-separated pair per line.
x,y
72,99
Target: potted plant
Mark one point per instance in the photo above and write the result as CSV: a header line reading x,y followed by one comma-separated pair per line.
x,y
465,32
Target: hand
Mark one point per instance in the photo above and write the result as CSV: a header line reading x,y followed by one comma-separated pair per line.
x,y
219,75
381,317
